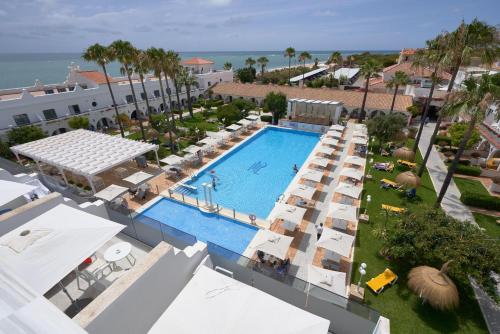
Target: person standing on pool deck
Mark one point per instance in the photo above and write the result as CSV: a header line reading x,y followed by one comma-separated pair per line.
x,y
295,168
319,230
213,182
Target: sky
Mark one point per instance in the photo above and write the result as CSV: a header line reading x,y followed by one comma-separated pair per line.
x,y
233,25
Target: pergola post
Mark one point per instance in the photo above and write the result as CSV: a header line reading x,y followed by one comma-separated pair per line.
x,y
39,167
18,159
63,176
156,156
91,183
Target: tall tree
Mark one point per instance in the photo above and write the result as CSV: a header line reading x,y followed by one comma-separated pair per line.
x,y
263,61
303,57
472,102
369,69
170,68
187,79
156,57
400,78
385,127
433,58
276,104
290,53
142,66
125,53
336,59
228,66
101,56
250,62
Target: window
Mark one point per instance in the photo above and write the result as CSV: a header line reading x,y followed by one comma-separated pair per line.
x,y
130,98
157,93
21,119
209,84
143,96
84,86
74,109
61,90
94,104
49,114
49,91
71,88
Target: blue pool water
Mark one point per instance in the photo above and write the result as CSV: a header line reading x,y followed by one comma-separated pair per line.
x,y
251,177
219,230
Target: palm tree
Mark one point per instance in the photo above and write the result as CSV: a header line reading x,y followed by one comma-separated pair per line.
x,y
125,53
303,57
290,53
336,58
156,57
187,79
228,66
142,66
432,58
250,62
351,60
170,67
369,69
101,56
472,102
400,78
476,38
263,64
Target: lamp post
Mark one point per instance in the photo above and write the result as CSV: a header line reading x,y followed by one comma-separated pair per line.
x,y
368,200
362,271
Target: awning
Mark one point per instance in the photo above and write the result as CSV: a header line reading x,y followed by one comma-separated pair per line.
x,y
337,127
359,141
348,190
213,303
303,191
138,178
335,241
330,141
312,175
9,191
360,134
343,211
58,241
219,135
193,149
334,134
244,122
325,150
173,160
271,243
331,280
289,213
233,127
355,160
352,173
253,117
320,161
111,192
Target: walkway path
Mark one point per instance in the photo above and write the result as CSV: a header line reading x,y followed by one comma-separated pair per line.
x,y
451,203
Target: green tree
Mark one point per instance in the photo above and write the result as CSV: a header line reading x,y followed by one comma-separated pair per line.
x,y
24,134
189,81
472,103
246,74
400,78
171,63
5,151
457,132
289,53
142,66
368,70
228,66
385,127
78,122
336,59
125,54
101,56
250,62
302,58
276,103
244,105
228,114
263,61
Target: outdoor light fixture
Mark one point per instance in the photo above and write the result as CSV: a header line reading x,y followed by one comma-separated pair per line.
x,y
362,271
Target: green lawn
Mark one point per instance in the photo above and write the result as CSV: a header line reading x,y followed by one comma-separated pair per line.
x,y
489,223
199,122
398,303
469,185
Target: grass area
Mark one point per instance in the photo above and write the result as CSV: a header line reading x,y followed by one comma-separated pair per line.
x,y
473,186
404,309
489,223
200,122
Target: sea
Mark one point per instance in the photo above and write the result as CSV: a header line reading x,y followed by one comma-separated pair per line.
x,y
22,69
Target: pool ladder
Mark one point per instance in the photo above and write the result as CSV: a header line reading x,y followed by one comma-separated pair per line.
x,y
280,198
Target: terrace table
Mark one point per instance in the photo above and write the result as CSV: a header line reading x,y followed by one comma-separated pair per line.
x,y
119,251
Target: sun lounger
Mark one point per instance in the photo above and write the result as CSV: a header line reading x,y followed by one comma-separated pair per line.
x,y
378,283
407,163
384,166
386,184
393,209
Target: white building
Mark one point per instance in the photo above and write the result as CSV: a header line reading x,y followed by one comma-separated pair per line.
x,y
86,93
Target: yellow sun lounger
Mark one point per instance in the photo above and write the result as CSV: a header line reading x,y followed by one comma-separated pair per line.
x,y
378,283
394,209
407,163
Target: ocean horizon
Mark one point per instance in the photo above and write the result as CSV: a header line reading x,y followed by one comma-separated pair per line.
x,y
22,69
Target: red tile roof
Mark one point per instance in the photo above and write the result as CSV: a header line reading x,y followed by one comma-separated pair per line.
x,y
95,76
419,71
196,61
408,52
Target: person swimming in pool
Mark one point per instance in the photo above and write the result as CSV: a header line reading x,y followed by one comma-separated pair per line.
x,y
295,168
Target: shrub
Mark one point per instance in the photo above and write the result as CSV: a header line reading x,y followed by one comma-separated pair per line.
x,y
228,114
196,105
457,132
468,170
79,185
78,122
443,139
481,201
246,74
25,134
243,104
5,150
266,118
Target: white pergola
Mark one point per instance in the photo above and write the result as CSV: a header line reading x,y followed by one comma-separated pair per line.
x,y
84,152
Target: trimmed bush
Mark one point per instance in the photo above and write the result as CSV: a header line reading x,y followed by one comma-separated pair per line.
x,y
468,170
445,139
266,118
196,105
481,201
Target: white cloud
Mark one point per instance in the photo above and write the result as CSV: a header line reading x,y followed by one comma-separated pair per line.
x,y
219,2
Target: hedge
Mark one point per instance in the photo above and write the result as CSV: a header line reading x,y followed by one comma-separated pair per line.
x,y
439,139
266,118
196,105
481,201
468,170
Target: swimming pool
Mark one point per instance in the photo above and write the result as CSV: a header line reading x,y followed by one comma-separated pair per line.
x,y
219,230
252,176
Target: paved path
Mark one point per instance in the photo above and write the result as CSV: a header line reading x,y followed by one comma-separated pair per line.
x,y
451,203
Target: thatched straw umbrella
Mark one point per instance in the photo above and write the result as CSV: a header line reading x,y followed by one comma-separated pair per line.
x,y
134,128
405,153
408,179
434,286
167,136
152,133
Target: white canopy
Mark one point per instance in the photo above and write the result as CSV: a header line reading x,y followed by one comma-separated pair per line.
x,y
331,280
348,190
208,141
219,135
193,149
22,310
59,240
325,150
111,192
213,303
359,141
252,117
245,122
334,134
9,191
330,141
271,243
335,241
320,161
360,126
343,211
233,127
352,173
303,191
84,152
337,127
292,215
312,175
173,160
358,133
355,160
138,178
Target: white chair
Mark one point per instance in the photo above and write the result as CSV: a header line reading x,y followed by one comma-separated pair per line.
x,y
94,272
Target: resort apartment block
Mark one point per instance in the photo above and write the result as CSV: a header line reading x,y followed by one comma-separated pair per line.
x,y
50,106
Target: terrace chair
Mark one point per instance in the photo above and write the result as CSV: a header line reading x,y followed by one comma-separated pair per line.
x,y
92,273
387,184
393,209
407,163
378,283
141,194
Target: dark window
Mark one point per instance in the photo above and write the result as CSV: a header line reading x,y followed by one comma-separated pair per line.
x,y
209,84
61,90
143,96
94,104
75,109
49,91
130,98
71,88
157,93
84,86
21,119
49,114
